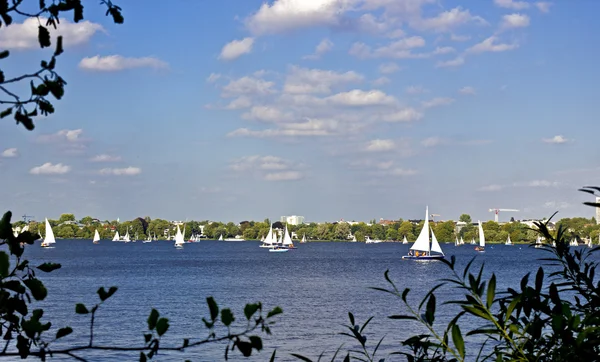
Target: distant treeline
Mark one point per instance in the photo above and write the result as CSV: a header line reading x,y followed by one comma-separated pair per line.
x,y
446,231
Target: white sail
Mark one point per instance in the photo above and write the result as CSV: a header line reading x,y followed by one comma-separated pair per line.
x,y
481,236
404,241
116,237
457,243
126,237
435,246
280,239
462,242
422,242
221,237
49,235
96,236
287,240
179,238
303,238
508,241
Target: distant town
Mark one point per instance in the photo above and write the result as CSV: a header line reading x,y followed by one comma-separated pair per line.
x,y
144,228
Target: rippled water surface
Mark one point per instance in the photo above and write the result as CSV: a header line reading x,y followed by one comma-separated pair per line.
x,y
316,285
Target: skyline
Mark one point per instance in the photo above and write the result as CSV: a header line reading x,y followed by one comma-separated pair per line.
x,y
353,110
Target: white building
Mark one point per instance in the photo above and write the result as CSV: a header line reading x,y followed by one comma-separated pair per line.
x,y
292,220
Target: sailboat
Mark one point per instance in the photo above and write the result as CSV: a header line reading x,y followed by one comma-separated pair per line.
x,y
287,240
116,237
462,242
353,240
457,243
422,244
404,241
589,244
148,239
96,237
221,237
481,247
269,240
179,239
49,240
508,241
126,237
473,241
303,239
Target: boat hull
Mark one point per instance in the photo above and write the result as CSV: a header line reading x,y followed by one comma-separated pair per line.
x,y
278,250
426,257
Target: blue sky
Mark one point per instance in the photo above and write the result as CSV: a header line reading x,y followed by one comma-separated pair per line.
x,y
330,109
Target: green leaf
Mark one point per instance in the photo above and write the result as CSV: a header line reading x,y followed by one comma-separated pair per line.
x,y
244,347
23,346
104,295
48,267
213,307
256,342
6,112
274,312
250,309
116,15
43,36
64,332
227,317
491,291
59,46
457,338
351,317
539,280
4,54
162,326
430,310
37,288
152,319
80,308
147,337
4,264
78,13
5,226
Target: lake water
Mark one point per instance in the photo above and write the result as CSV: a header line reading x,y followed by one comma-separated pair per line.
x,y
316,285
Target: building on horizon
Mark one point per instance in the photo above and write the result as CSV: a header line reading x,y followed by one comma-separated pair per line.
x,y
292,220
598,211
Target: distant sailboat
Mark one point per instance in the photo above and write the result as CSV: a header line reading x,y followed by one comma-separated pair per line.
x,y
221,237
473,241
148,239
404,241
179,239
49,240
287,240
303,239
508,241
423,245
96,237
457,243
462,242
126,237
269,240
481,247
116,237
353,240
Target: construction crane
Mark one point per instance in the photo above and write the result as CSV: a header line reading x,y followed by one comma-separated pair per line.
x,y
432,216
497,211
27,218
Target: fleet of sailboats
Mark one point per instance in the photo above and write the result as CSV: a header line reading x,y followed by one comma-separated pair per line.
x,y
422,248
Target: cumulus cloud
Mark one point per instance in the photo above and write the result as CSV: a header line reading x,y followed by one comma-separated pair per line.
x,y
269,168
236,48
557,140
467,90
416,89
490,45
115,63
381,81
213,77
25,35
388,68
65,135
323,47
127,171
447,20
456,62
512,4
10,153
380,145
105,158
398,49
283,176
404,115
303,80
514,21
252,86
358,98
543,6
266,114
50,169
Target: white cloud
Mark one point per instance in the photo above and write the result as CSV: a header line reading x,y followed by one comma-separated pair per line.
x,y
50,169
436,102
388,68
284,176
65,135
213,77
512,4
236,49
287,15
416,89
558,139
105,158
10,153
399,49
459,38
266,114
323,47
405,115
447,20
543,6
380,145
115,63
456,62
127,171
303,80
467,90
443,50
402,172
489,45
248,86
514,21
240,103
526,184
358,98
25,35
